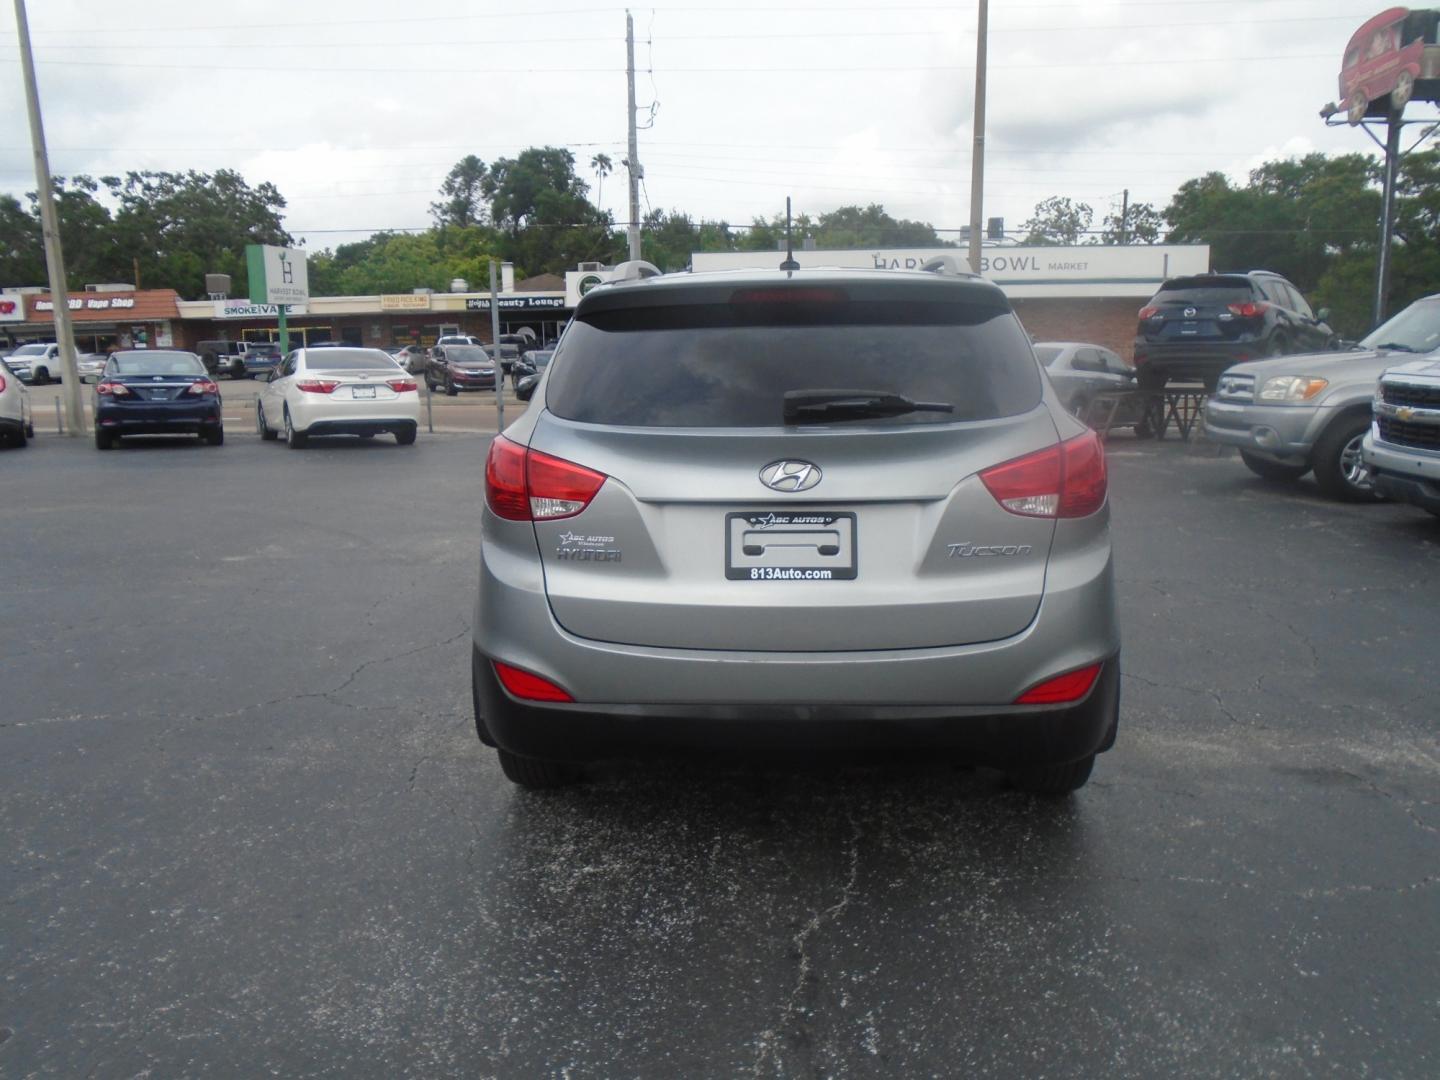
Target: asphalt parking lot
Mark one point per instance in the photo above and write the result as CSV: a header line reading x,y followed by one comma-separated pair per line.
x,y
250,830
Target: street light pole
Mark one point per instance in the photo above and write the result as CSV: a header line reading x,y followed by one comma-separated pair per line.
x,y
50,228
977,152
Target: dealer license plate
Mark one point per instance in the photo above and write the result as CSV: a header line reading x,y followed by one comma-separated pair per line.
x,y
790,545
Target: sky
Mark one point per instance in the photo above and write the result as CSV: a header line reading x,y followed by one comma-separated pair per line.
x,y
356,110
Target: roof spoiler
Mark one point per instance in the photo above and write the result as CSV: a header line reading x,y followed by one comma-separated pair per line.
x,y
634,270
947,264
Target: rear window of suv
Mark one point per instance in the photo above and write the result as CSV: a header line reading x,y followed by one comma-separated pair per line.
x,y
1203,290
727,365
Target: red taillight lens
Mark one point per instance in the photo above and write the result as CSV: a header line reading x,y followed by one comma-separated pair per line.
x,y
1065,481
530,687
1071,686
204,386
505,480
1250,309
526,485
317,386
1148,313
2,384
111,389
403,386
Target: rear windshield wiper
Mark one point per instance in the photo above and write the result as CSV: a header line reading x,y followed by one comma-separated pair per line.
x,y
1395,346
803,406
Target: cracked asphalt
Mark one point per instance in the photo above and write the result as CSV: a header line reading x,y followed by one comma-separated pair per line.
x,y
249,830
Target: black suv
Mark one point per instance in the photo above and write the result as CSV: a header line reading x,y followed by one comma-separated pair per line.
x,y
1196,327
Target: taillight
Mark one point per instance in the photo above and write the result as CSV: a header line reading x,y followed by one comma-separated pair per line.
x,y
204,386
1065,481
526,485
2,384
317,386
1072,686
111,389
1250,309
530,687
403,386
1148,313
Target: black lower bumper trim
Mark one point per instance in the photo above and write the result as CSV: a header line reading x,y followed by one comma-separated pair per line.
x,y
361,427
1011,737
1404,489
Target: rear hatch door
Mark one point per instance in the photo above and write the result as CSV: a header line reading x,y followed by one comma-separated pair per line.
x,y
1197,309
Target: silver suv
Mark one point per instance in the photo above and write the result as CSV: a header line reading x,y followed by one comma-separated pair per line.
x,y
815,508
1297,413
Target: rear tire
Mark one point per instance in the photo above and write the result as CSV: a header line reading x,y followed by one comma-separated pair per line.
x,y
537,774
1054,780
215,438
41,377
266,432
450,388
1272,470
1338,468
405,438
103,440
20,438
295,440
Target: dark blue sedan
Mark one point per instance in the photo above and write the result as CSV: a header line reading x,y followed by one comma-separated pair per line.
x,y
156,392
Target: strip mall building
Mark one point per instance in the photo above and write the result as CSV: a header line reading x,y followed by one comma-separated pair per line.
x,y
1088,293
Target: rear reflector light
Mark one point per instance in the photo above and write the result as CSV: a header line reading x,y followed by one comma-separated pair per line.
x,y
1249,309
522,684
1072,686
204,386
789,296
111,389
1148,312
403,386
526,485
1066,481
317,386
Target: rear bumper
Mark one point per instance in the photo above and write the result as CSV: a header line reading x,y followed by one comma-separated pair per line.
x,y
1194,360
150,419
998,736
317,414
361,427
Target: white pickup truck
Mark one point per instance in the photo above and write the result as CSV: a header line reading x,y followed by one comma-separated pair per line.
x,y
37,363
1403,446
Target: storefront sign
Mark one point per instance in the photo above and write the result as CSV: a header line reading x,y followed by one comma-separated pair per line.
x,y
277,275
90,303
405,302
518,303
244,309
12,308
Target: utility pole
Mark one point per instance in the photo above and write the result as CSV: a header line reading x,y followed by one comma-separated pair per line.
x,y
1124,214
1387,216
50,227
633,162
977,153
499,367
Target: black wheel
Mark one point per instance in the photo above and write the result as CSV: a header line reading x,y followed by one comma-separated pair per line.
x,y
1272,470
406,437
450,388
538,774
20,438
1053,779
262,428
1339,470
104,440
293,439
430,386
215,438
1150,380
41,377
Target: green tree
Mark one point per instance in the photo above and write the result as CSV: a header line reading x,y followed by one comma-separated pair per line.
x,y
390,262
462,194
181,226
541,206
603,167
22,255
1143,224
1057,221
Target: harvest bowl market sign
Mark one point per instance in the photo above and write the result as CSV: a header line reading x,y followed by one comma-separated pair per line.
x,y
277,275
1085,270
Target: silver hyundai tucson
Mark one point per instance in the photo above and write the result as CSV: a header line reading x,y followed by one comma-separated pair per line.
x,y
797,509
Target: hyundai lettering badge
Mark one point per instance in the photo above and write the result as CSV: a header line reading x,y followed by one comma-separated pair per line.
x,y
790,475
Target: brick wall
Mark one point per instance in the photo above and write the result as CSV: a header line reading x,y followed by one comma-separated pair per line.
x,y
1100,321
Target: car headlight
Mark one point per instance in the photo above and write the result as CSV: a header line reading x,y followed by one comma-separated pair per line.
x,y
1291,389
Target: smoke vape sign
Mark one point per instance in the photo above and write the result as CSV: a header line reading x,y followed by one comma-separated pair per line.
x,y
277,275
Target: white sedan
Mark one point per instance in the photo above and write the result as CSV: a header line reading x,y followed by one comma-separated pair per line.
x,y
17,423
338,391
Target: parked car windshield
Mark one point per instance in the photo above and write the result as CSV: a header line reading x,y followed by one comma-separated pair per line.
x,y
1416,329
713,365
466,354
31,350
348,360
156,363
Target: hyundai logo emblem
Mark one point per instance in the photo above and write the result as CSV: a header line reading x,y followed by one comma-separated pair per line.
x,y
790,475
